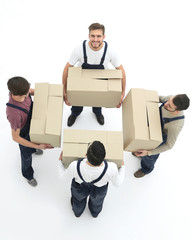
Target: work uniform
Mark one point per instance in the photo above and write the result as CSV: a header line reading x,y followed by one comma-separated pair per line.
x,y
90,181
76,110
80,192
26,152
148,162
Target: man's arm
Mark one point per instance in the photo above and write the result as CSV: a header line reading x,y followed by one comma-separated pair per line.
x,y
118,174
16,137
123,85
65,74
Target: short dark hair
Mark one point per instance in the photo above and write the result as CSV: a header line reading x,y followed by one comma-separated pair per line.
x,y
18,86
96,153
181,101
96,26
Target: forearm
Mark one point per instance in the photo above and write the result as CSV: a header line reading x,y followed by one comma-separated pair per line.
x,y
25,142
65,75
119,177
123,79
160,149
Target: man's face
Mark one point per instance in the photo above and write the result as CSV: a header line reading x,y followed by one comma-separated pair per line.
x,y
169,105
96,38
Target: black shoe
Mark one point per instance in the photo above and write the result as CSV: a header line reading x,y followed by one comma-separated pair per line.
x,y
100,119
71,120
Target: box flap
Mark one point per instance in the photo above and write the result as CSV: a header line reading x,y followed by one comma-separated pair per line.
x,y
101,73
54,115
151,96
74,149
55,90
83,136
154,121
40,101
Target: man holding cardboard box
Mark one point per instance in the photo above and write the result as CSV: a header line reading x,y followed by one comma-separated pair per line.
x,y
19,113
92,54
90,179
172,120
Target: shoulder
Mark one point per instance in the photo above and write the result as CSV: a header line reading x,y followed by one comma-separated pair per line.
x,y
112,166
164,98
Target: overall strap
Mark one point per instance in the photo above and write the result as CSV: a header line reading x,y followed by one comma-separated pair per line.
x,y
17,107
102,174
167,120
96,180
104,54
84,50
78,169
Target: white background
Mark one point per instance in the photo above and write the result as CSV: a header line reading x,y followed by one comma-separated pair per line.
x,y
155,41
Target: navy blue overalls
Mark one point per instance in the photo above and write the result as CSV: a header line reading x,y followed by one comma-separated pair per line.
x,y
76,110
26,152
80,192
147,162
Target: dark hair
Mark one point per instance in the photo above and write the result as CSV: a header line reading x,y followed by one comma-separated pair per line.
x,y
96,26
96,153
18,86
181,101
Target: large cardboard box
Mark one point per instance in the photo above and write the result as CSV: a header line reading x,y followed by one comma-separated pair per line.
x,y
141,120
94,87
47,114
76,142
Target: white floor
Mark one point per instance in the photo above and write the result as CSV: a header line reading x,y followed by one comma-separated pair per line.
x,y
155,42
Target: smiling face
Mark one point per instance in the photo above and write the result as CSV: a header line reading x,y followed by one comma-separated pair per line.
x,y
169,105
96,38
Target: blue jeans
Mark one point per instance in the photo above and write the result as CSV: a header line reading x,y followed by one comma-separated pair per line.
x,y
148,162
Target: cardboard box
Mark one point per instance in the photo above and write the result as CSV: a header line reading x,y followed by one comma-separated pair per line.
x,y
96,88
76,142
141,120
47,114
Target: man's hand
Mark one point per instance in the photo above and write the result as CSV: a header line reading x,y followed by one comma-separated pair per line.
x,y
141,153
44,146
60,158
121,100
65,99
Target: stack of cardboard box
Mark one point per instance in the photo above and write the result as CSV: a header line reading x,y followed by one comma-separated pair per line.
x,y
102,88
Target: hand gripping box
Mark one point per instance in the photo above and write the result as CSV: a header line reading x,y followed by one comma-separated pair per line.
x,y
76,142
141,120
94,87
47,114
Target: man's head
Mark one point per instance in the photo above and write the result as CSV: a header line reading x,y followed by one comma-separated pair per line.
x,y
96,35
96,153
18,86
177,103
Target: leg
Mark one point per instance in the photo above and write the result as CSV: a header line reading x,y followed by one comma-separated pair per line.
x,y
98,112
148,162
96,199
79,198
75,112
26,159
